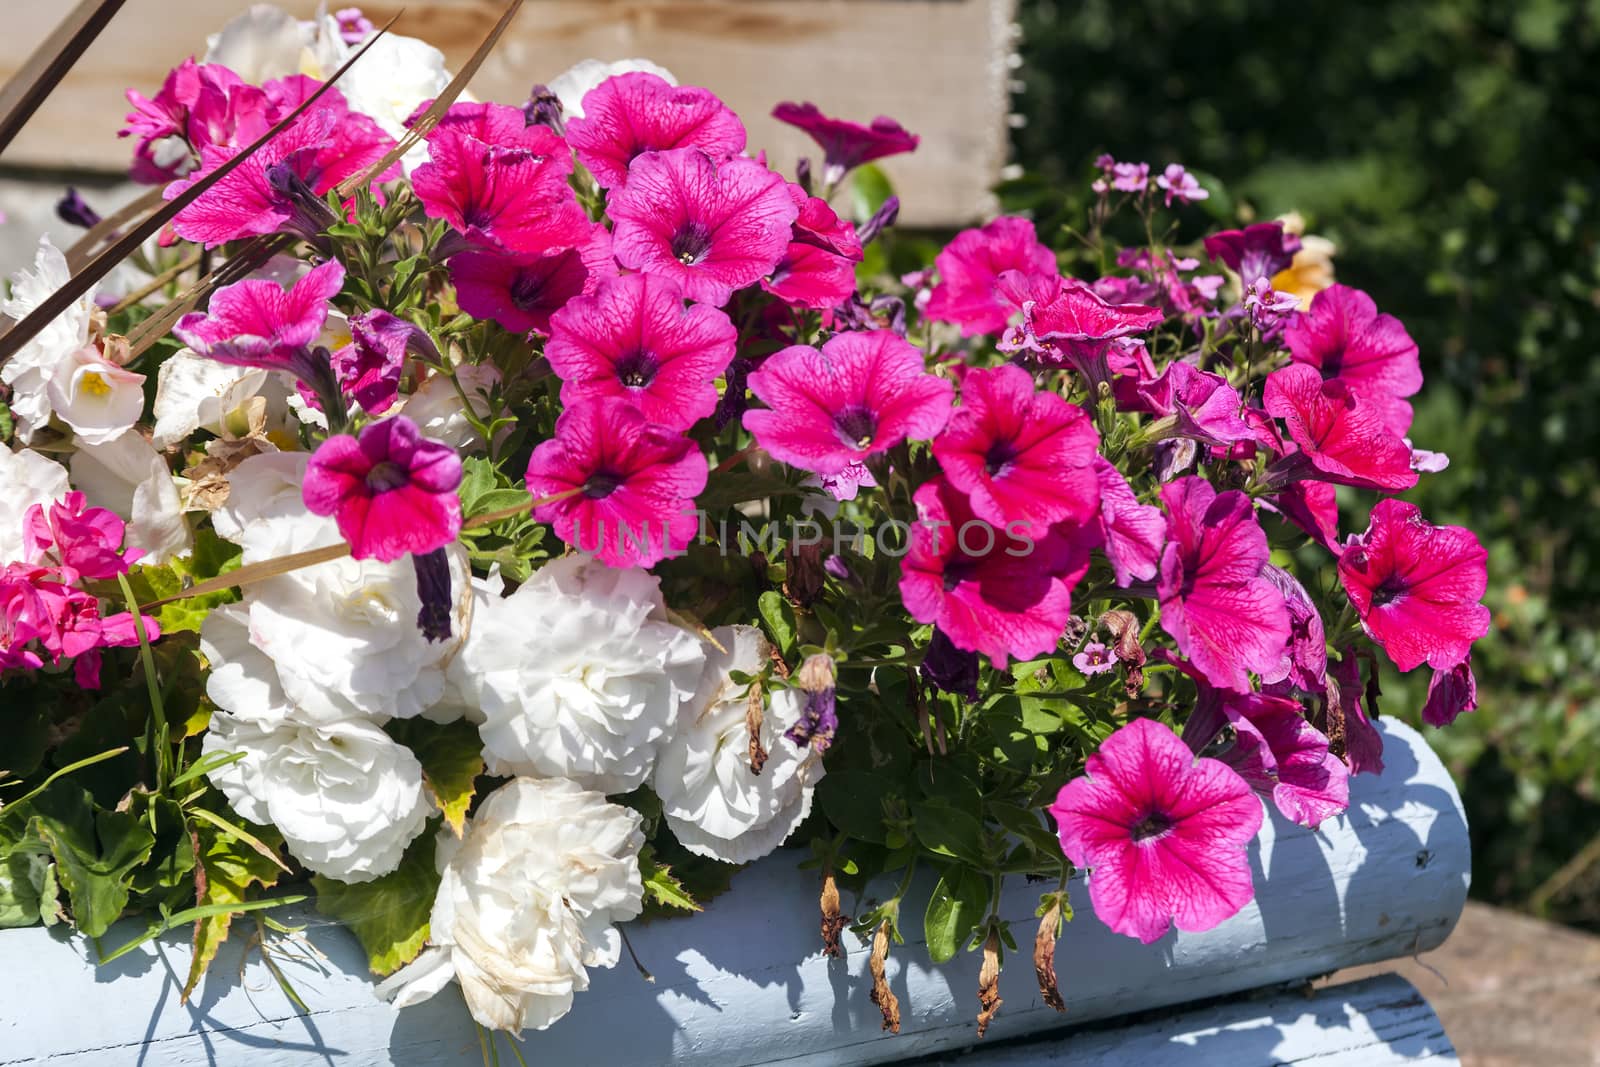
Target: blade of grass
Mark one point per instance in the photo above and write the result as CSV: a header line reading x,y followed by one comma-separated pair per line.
x,y
49,63
189,915
211,761
155,284
241,833
101,265
84,247
158,712
87,761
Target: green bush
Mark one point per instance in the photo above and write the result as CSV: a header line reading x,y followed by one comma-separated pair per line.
x,y
1451,148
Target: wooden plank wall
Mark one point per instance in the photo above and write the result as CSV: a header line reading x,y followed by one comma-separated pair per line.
x,y
941,67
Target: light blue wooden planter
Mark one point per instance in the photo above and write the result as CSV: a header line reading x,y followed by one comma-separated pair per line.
x,y
744,982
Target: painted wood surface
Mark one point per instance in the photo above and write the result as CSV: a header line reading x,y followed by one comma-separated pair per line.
x,y
938,66
1379,1022
744,983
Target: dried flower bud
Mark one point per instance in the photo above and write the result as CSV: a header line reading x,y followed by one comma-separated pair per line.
x,y
73,209
989,982
1044,957
753,715
1123,626
819,721
433,589
882,995
832,921
805,574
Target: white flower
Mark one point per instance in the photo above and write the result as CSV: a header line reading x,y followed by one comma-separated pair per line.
x,y
573,84
267,42
389,82
264,513
347,797
714,804
196,393
127,476
94,396
30,370
436,407
578,674
526,903
26,479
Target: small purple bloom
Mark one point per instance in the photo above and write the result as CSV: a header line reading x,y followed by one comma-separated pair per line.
x,y
1130,177
1095,659
74,210
1180,185
820,720
948,668
433,589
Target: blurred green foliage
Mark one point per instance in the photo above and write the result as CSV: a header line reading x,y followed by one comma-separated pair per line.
x,y
1451,148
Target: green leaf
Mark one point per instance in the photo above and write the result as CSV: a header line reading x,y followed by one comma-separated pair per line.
x,y
949,831
211,557
389,915
231,867
22,887
779,619
95,852
954,911
853,801
661,888
172,854
869,188
451,755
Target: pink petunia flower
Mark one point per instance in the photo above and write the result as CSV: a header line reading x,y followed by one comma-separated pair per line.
x,y
370,366
1132,534
1417,586
509,196
636,483
973,262
1314,507
1203,405
1019,454
1341,439
257,323
846,145
521,292
818,270
1450,692
862,394
198,106
634,339
1363,744
1065,323
391,490
1003,592
84,542
281,185
1163,834
1345,337
712,227
630,114
1257,251
1224,616
1304,662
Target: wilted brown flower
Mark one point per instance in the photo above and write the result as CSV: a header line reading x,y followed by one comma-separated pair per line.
x,y
832,921
1044,957
989,982
882,995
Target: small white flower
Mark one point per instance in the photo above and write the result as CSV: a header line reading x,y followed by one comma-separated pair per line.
x,y
94,396
26,479
264,513
389,82
347,798
127,476
714,804
267,42
578,674
196,393
437,411
30,370
573,84
526,905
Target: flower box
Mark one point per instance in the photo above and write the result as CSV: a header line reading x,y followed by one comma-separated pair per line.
x,y
745,982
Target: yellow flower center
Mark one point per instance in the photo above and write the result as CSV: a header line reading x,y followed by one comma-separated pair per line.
x,y
94,383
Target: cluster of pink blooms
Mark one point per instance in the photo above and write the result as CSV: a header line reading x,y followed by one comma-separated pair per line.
x,y
45,613
639,312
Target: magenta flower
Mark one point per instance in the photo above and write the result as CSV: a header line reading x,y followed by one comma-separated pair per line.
x,y
1130,177
1224,616
1416,586
1203,405
198,106
513,196
1341,439
635,483
1095,659
846,145
1344,337
281,185
862,394
712,227
630,114
354,26
84,542
1163,834
257,323
1285,758
391,490
1257,251
634,339
1065,323
973,262
1020,455
1304,663
1132,534
521,292
818,270
370,366
1002,592
1450,693
1180,185
1314,507
1363,744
